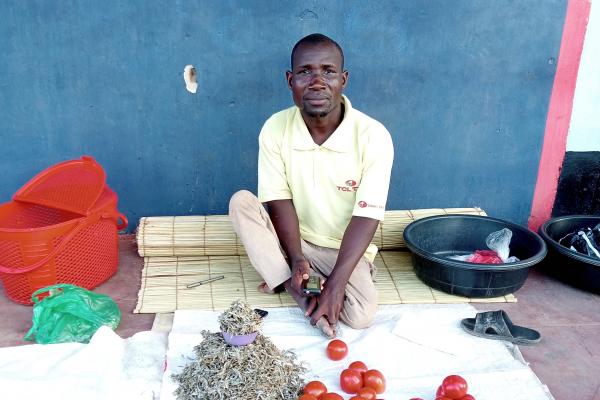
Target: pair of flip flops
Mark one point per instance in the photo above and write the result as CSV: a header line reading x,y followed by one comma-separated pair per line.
x,y
497,326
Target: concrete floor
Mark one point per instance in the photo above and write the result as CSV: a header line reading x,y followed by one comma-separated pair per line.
x,y
567,360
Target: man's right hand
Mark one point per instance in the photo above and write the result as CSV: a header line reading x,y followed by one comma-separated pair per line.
x,y
300,273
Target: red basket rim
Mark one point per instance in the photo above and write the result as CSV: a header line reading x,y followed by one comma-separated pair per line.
x,y
42,228
96,188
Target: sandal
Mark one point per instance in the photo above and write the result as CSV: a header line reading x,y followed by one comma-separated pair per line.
x,y
496,325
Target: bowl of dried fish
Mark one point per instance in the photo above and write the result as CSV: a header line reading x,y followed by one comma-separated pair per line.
x,y
258,371
240,324
239,340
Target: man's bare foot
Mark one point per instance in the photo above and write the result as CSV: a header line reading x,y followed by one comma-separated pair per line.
x,y
324,325
264,288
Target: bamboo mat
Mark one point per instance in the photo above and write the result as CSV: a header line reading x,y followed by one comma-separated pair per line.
x,y
213,235
164,281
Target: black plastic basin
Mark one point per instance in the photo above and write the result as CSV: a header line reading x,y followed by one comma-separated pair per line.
x,y
433,239
567,265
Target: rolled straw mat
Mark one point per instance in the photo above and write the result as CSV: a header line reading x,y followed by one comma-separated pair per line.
x,y
213,235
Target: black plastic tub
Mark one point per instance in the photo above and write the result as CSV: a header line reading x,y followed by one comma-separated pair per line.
x,y
432,240
567,265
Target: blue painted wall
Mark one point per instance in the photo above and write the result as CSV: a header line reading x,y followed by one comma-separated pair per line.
x,y
463,87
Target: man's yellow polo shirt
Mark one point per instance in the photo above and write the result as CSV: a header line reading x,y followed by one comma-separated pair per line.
x,y
346,176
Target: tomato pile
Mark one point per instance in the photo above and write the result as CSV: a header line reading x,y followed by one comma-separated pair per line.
x,y
365,384
453,387
357,379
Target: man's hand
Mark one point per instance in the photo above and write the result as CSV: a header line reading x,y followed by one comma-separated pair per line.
x,y
300,273
329,304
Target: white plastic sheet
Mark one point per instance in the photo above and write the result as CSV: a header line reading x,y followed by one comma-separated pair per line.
x,y
109,367
415,346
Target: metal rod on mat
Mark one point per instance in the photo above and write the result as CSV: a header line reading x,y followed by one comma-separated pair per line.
x,y
216,278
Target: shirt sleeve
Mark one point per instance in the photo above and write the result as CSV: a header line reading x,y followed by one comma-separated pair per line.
x,y
372,193
272,179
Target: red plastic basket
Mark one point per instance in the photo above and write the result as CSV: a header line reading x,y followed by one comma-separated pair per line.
x,y
61,227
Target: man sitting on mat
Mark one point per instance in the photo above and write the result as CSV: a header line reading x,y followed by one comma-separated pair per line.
x,y
323,172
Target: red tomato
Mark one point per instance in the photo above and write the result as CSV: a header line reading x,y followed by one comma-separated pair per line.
x,y
336,350
331,396
467,397
367,393
375,380
454,386
351,380
440,391
314,388
307,397
358,366
443,398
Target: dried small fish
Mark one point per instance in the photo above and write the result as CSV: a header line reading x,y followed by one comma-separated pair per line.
x,y
258,371
240,319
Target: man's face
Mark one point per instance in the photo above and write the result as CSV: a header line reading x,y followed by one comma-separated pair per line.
x,y
317,79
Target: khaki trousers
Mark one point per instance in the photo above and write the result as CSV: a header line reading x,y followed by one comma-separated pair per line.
x,y
256,231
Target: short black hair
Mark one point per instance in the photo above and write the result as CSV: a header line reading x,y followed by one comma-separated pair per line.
x,y
316,38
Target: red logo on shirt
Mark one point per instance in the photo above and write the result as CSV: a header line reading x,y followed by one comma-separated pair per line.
x,y
363,204
350,186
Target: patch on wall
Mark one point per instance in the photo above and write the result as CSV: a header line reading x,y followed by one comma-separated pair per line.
x,y
579,184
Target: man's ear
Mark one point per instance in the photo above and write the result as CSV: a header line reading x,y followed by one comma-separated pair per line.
x,y
344,78
289,76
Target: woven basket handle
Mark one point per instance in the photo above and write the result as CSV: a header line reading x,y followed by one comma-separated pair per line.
x,y
66,239
124,222
117,216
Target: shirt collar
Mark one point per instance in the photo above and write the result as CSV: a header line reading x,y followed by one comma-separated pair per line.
x,y
338,141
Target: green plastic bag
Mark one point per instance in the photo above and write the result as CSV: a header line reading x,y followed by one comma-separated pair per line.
x,y
70,314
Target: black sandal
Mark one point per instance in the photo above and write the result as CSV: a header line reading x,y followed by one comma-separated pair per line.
x,y
496,325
